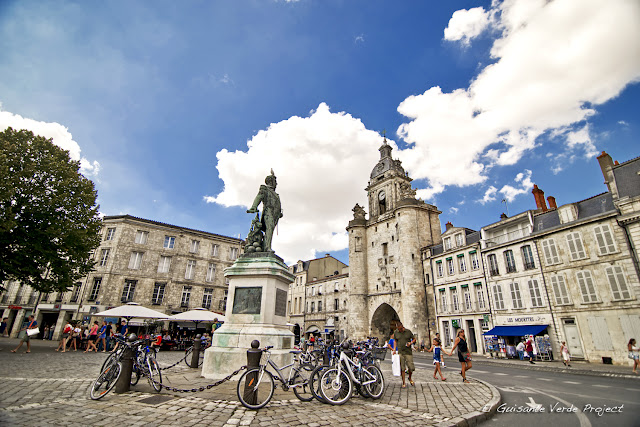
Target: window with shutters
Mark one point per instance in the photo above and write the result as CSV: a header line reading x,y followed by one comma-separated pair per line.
x,y
95,289
550,252
135,260
111,234
600,333
497,297
454,301
447,243
604,238
516,298
587,288
480,297
560,289
618,284
195,245
439,268
475,263
534,292
527,256
576,248
467,300
233,253
214,250
493,265
459,240
450,267
510,261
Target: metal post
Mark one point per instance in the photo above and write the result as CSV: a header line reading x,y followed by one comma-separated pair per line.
x,y
254,354
124,381
195,355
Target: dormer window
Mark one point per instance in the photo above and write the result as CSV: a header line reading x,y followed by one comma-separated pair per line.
x,y
459,240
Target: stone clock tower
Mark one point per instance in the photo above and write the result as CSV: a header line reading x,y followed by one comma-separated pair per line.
x,y
385,270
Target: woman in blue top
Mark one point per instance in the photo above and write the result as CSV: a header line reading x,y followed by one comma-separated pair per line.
x,y
392,344
437,358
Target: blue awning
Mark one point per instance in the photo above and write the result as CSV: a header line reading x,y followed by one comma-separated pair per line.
x,y
516,331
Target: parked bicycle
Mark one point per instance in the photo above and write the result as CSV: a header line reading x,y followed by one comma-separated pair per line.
x,y
145,364
337,384
110,371
188,353
256,386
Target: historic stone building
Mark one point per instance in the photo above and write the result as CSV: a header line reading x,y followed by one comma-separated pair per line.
x,y
317,296
165,267
454,269
385,269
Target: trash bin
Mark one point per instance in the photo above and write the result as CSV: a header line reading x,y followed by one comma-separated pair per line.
x,y
607,361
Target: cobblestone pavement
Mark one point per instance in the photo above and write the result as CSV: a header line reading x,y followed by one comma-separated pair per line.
x,y
49,388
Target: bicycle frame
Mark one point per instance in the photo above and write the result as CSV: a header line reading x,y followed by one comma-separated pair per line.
x,y
348,363
279,376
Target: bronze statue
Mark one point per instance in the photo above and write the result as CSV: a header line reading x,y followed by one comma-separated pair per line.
x,y
271,213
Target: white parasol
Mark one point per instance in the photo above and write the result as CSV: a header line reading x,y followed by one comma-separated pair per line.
x,y
198,315
131,310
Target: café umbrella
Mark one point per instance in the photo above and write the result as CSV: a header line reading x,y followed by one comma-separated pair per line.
x,y
132,310
198,315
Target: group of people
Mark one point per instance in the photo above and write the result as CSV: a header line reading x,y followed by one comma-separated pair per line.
x,y
95,337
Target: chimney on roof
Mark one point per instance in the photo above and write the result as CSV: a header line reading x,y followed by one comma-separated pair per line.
x,y
503,216
538,194
448,225
552,202
606,163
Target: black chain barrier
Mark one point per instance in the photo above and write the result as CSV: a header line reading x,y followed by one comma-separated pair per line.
x,y
178,362
203,388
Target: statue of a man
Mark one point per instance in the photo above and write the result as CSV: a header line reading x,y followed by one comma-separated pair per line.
x,y
271,209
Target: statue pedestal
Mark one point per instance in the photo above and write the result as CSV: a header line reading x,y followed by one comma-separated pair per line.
x,y
256,310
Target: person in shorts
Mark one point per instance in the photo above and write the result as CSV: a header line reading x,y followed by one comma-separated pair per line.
x,y
26,338
404,340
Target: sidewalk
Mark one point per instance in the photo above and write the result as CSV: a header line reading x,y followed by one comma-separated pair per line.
x,y
577,367
38,385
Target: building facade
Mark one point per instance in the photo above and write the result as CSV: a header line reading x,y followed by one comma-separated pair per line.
x,y
318,284
385,268
454,270
165,267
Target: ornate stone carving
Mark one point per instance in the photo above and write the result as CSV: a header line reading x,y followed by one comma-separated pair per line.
x,y
358,212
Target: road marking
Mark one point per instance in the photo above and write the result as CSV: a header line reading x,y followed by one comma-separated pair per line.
x,y
522,376
602,386
479,371
571,382
533,405
545,379
500,373
633,389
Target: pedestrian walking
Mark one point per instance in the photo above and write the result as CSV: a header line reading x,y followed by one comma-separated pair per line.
x,y
3,327
93,337
464,356
27,338
45,332
108,335
66,332
75,337
564,351
442,364
51,331
529,350
437,358
102,336
404,340
634,354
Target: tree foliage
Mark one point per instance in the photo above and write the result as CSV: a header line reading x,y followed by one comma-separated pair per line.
x,y
49,221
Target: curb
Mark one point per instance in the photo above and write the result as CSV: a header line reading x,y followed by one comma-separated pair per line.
x,y
578,371
475,418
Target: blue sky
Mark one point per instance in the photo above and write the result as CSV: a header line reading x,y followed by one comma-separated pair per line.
x,y
178,110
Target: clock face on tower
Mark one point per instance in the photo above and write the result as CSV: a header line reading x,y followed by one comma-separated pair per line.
x,y
381,195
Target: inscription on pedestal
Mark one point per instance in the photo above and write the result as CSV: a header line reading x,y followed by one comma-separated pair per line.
x,y
281,303
247,300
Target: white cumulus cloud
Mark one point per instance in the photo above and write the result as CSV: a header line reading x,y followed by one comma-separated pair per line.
x,y
464,25
59,134
525,185
555,62
322,163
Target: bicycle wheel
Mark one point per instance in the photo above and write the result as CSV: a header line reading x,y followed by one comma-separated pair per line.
x,y
314,382
336,388
255,388
155,376
106,380
374,389
112,357
301,385
135,374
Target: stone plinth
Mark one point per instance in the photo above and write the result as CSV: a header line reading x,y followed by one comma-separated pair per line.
x,y
256,310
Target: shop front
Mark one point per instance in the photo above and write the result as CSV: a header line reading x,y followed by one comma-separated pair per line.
x,y
501,341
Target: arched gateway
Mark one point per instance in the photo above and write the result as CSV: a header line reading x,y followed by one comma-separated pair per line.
x,y
383,321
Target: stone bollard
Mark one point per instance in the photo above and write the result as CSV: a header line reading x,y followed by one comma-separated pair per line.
x,y
254,354
124,381
195,355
